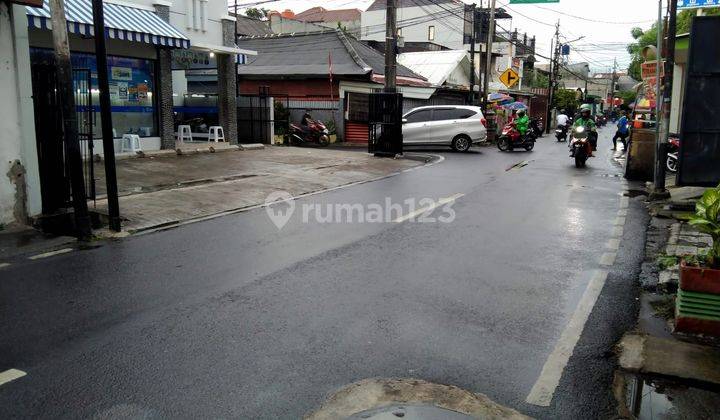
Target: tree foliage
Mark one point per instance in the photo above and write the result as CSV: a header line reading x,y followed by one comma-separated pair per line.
x,y
257,13
643,38
565,99
628,96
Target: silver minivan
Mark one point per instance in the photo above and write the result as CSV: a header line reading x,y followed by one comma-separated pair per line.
x,y
457,126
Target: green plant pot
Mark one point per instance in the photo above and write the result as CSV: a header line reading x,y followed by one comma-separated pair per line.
x,y
697,307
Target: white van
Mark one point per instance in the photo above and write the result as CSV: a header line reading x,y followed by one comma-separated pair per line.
x,y
457,126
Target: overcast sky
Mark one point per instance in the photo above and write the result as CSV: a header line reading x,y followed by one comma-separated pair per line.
x,y
606,24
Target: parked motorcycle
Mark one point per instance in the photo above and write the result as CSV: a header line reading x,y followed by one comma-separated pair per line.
x,y
561,132
537,125
315,132
579,146
511,138
672,156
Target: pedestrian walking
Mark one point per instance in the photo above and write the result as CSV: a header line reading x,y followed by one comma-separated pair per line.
x,y
622,132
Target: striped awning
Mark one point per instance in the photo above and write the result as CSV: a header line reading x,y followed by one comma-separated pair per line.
x,y
121,22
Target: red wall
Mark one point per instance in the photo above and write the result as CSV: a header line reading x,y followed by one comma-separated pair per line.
x,y
297,88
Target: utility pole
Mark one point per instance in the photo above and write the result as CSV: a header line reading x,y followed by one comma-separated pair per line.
x,y
488,56
106,115
659,185
659,172
391,47
555,53
473,35
71,142
612,86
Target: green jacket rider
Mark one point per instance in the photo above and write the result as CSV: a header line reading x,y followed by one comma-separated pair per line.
x,y
585,119
523,122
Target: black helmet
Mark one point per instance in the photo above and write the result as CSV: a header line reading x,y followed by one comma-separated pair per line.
x,y
521,112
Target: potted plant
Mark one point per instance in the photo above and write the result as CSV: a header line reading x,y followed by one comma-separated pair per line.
x,y
698,301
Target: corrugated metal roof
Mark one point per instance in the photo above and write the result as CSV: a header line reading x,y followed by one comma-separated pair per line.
x,y
435,66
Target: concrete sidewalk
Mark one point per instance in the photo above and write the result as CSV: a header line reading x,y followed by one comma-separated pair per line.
x,y
169,190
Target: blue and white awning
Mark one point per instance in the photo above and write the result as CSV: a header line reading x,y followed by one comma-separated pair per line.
x,y
121,22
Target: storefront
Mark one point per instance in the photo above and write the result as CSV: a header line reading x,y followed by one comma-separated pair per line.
x,y
132,90
136,37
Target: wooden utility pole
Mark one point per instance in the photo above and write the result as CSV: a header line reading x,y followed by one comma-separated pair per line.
x,y
554,61
488,56
71,142
391,47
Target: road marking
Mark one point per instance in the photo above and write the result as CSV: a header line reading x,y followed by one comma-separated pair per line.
x,y
608,259
544,389
427,209
3,265
624,202
619,221
618,231
613,244
622,212
51,254
10,375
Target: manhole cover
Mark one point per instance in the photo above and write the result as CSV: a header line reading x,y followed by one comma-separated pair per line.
x,y
410,412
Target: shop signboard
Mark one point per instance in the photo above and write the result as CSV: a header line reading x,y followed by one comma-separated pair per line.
x,y
189,59
648,70
121,73
696,4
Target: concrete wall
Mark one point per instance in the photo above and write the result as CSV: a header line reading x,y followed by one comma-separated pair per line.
x,y
281,25
373,24
19,177
191,24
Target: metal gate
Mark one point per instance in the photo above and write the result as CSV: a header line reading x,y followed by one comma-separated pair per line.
x,y
262,117
55,187
82,83
700,126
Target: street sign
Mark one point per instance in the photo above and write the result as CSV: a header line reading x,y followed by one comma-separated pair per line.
x,y
537,1
696,4
509,78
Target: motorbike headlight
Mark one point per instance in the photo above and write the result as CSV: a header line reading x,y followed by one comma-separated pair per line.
x,y
580,130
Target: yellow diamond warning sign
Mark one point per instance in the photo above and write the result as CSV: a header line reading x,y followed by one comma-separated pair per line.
x,y
509,78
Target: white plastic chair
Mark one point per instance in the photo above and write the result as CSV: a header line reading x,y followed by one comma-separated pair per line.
x,y
184,133
130,143
216,134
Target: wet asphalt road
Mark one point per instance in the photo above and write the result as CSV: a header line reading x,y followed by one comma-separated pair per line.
x,y
233,318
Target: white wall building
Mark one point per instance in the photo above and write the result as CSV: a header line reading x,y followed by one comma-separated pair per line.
x,y
19,177
447,29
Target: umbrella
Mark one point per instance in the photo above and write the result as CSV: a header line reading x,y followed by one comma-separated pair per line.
x,y
500,97
516,106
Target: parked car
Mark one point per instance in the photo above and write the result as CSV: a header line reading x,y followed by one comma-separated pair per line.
x,y
457,126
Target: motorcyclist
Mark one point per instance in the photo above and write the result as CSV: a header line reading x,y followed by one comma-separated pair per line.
x,y
522,122
587,121
562,118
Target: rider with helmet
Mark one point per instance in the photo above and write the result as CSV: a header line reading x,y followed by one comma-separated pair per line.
x,y
522,122
586,121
